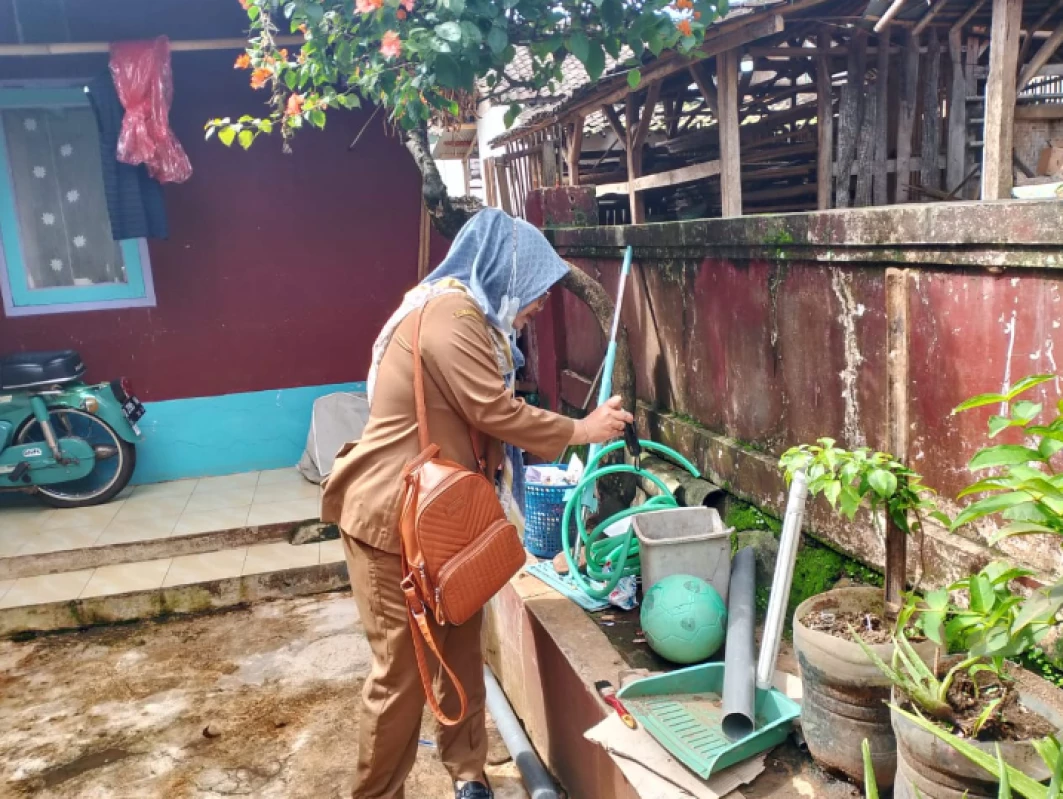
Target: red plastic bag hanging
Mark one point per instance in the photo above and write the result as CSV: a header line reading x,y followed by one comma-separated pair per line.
x,y
142,76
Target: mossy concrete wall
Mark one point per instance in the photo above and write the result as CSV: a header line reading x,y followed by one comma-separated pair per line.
x,y
753,334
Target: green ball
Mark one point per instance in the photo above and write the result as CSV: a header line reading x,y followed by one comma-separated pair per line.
x,y
684,618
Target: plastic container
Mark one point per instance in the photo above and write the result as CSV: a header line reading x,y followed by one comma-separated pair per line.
x,y
684,541
543,507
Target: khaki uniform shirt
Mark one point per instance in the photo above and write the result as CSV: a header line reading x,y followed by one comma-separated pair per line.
x,y
464,390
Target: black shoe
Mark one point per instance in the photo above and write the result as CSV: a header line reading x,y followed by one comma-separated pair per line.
x,y
473,790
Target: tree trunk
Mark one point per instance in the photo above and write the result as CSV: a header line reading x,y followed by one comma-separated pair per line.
x,y
448,215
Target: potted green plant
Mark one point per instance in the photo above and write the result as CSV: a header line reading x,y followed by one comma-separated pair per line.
x,y
994,707
844,693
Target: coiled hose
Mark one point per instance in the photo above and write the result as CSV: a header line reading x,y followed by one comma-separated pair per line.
x,y
611,558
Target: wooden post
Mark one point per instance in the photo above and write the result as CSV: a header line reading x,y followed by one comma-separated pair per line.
x,y
730,146
575,149
502,177
850,114
638,128
550,176
930,174
956,151
824,125
881,131
906,117
896,425
704,83
973,190
999,130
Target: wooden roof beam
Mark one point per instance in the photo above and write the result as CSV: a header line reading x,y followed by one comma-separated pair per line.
x,y
1040,58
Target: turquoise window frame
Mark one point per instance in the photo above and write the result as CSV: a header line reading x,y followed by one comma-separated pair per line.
x,y
19,298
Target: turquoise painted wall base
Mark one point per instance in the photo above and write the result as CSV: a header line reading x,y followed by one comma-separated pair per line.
x,y
208,436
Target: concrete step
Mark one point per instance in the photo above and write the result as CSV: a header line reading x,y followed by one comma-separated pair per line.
x,y
176,584
148,548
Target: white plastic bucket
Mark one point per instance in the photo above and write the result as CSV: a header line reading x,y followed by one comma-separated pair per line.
x,y
684,541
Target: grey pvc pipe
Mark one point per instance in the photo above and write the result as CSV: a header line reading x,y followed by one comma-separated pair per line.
x,y
780,585
739,678
537,780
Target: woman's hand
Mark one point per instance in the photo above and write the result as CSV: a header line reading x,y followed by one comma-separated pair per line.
x,y
604,424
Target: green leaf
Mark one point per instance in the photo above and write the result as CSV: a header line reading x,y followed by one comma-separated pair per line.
x,y
471,34
447,71
998,424
511,114
980,401
595,62
1019,528
850,501
1027,383
884,482
1025,411
449,32
613,13
497,40
1003,455
1041,607
987,506
246,137
831,491
579,45
226,136
870,785
317,118
982,596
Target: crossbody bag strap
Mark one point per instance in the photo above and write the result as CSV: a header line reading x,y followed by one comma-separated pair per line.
x,y
478,448
420,631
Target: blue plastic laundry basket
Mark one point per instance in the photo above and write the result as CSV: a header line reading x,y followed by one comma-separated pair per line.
x,y
543,507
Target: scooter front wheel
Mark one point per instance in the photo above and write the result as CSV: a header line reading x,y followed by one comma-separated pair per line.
x,y
115,458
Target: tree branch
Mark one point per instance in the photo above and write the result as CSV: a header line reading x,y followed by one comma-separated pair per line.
x,y
447,215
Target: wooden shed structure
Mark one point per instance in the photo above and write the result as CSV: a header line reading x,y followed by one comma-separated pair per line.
x,y
807,104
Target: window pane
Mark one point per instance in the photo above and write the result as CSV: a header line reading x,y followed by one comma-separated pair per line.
x,y
54,156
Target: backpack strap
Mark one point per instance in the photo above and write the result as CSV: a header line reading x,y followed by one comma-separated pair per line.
x,y
421,632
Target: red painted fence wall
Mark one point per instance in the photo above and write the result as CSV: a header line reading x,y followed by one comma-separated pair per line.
x,y
752,335
280,269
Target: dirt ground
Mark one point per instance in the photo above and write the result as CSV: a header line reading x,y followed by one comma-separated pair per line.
x,y
259,702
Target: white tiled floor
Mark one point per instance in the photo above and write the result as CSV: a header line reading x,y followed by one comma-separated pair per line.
x,y
147,575
149,512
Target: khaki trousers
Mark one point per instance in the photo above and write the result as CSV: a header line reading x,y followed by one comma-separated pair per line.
x,y
393,698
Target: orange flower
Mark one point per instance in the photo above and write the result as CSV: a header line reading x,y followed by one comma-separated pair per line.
x,y
302,28
684,28
697,15
295,105
302,57
260,76
407,5
390,45
368,6
684,4
245,4
284,54
401,13
243,61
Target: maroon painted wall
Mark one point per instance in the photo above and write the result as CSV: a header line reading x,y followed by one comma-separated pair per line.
x,y
280,269
770,332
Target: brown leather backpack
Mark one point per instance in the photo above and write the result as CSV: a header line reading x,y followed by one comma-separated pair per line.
x,y
458,547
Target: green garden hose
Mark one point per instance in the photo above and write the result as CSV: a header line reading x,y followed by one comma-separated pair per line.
x,y
610,559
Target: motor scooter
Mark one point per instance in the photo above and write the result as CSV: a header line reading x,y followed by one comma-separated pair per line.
x,y
71,443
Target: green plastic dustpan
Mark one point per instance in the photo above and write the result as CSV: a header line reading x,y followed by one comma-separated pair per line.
x,y
681,710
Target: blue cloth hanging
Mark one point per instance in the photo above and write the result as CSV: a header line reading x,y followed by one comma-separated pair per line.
x,y
134,201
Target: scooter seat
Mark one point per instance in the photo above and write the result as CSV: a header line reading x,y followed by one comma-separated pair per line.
x,y
40,369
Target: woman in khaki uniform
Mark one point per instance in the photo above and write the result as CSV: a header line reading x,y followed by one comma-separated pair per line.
x,y
494,279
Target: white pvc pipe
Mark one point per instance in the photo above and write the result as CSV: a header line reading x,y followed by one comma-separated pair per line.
x,y
537,780
780,586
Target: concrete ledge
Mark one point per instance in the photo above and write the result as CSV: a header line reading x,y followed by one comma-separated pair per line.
x,y
181,599
136,551
547,654
986,234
